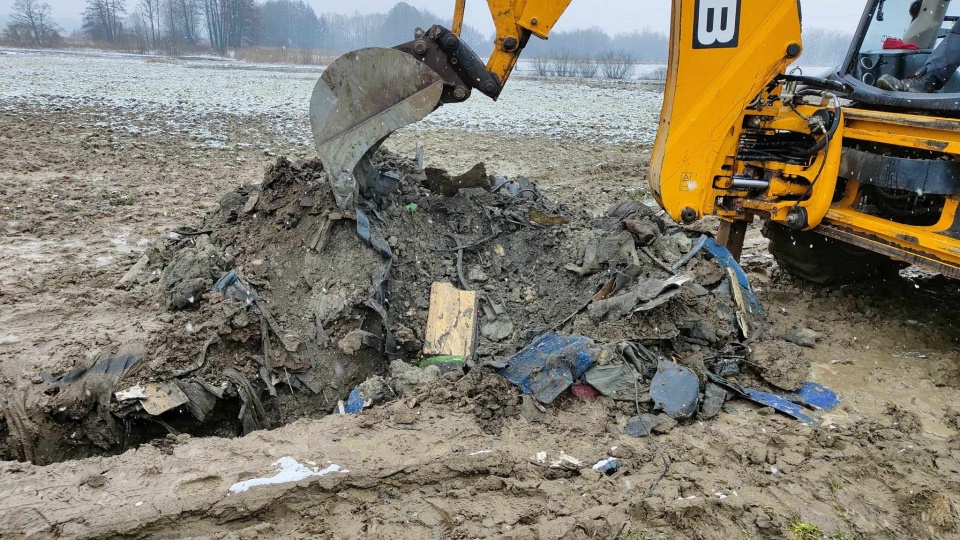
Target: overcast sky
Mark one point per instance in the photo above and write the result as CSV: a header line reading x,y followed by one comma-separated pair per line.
x,y
612,15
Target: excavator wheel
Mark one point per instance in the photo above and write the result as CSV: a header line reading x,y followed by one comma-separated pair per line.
x,y
825,261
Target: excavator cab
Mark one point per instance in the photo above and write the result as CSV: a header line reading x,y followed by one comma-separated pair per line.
x,y
897,38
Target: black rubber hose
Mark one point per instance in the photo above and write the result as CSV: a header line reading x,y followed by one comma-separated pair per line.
x,y
818,82
833,129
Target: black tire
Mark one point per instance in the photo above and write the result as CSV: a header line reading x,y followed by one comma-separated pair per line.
x,y
825,261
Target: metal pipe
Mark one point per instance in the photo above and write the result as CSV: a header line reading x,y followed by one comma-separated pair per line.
x,y
749,183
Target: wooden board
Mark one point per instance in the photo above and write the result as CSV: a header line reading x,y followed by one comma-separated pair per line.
x,y
451,321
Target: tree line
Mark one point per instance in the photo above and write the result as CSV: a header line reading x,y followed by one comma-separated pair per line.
x,y
173,26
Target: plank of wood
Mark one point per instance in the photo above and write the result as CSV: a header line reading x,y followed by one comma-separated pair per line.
x,y
741,304
451,321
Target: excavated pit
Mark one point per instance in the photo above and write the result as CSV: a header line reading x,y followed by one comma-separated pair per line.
x,y
317,305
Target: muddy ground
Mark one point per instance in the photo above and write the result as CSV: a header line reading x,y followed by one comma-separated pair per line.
x,y
80,204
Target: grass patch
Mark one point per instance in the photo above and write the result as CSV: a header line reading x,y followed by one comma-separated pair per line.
x,y
805,531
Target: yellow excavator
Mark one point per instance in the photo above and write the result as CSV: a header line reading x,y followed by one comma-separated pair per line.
x,y
852,180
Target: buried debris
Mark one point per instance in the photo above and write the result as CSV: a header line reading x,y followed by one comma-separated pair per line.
x,y
675,389
277,311
549,365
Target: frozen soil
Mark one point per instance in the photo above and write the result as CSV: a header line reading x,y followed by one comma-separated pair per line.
x,y
81,202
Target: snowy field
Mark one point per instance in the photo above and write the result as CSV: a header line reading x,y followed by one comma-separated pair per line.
x,y
199,97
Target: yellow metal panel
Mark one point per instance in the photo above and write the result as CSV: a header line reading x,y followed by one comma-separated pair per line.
x,y
505,13
714,73
922,239
540,16
923,132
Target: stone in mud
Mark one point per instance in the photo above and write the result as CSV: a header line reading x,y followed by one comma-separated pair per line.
x,y
477,275
353,341
667,249
780,363
713,398
804,337
664,424
375,390
188,276
642,425
684,243
409,380
497,330
404,415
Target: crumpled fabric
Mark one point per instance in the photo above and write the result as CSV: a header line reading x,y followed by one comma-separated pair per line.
x,y
897,43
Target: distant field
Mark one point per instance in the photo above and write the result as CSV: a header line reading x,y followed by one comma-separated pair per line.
x,y
185,93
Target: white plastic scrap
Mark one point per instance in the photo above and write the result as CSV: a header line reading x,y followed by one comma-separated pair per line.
x,y
565,458
602,463
480,452
288,470
134,392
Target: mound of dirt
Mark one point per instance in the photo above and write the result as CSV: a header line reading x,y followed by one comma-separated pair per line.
x,y
279,303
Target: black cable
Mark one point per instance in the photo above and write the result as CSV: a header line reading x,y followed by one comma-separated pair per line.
x,y
833,129
826,154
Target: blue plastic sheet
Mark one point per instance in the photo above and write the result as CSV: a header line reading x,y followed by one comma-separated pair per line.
x,y
354,403
549,365
725,259
812,394
818,396
786,407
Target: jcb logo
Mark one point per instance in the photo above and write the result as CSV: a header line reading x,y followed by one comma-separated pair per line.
x,y
716,24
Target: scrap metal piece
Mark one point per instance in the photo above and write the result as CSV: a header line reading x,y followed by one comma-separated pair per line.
x,y
360,99
725,259
675,389
767,399
162,397
549,365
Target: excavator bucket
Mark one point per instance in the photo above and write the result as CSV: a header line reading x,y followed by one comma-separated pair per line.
x,y
360,99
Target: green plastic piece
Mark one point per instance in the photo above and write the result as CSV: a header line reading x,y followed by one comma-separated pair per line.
x,y
458,361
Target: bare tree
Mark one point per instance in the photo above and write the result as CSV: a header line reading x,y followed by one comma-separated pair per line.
x,y
230,23
30,21
616,64
585,67
541,65
141,32
188,13
150,15
103,19
562,65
